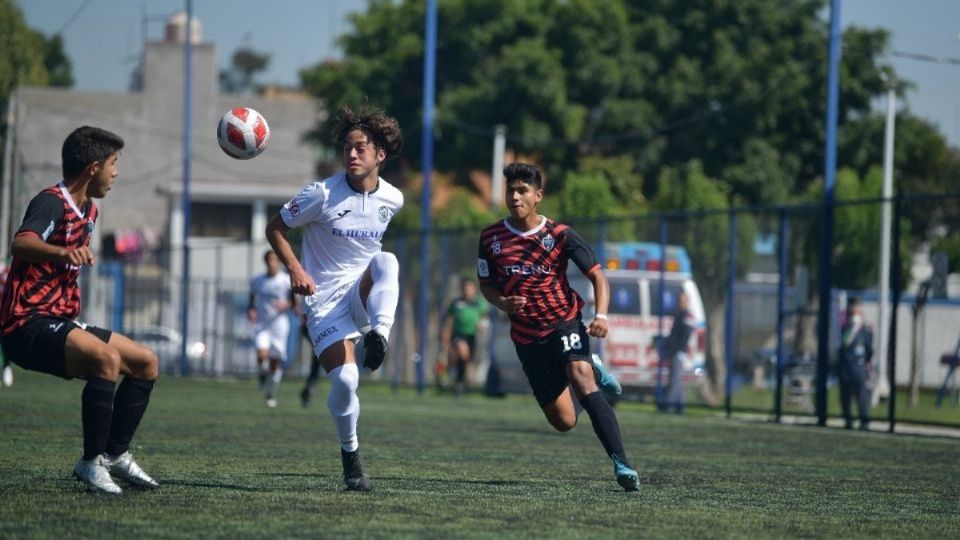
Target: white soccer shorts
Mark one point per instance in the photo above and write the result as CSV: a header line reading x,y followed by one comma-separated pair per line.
x,y
340,318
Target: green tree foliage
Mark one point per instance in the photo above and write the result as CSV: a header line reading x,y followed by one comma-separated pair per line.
x,y
244,66
737,84
58,64
463,211
856,249
923,163
22,51
27,58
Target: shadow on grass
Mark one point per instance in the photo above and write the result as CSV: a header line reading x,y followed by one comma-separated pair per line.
x,y
215,485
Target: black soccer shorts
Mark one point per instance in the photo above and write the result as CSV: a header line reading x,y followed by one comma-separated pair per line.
x,y
545,361
40,344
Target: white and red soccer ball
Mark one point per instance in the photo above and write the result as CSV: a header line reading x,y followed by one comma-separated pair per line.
x,y
243,133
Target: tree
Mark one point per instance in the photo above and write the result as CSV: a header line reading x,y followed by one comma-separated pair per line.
x,y
27,58
738,85
244,66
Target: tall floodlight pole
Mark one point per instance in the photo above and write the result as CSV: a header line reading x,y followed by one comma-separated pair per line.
x,y
429,78
826,241
882,388
185,201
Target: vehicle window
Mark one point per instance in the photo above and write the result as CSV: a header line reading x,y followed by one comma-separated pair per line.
x,y
672,290
625,297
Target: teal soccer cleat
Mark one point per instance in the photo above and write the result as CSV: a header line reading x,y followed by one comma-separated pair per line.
x,y
628,478
607,381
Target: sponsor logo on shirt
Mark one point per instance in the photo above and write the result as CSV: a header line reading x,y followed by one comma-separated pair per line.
x,y
527,269
357,233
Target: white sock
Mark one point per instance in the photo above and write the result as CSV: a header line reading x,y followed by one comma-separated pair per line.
x,y
383,297
344,404
277,376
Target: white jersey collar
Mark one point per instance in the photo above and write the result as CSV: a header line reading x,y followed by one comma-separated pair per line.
x,y
511,228
66,195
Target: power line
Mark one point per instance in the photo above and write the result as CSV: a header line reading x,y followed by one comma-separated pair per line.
x,y
73,17
926,57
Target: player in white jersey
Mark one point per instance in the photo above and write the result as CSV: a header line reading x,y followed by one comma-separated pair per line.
x,y
271,296
348,283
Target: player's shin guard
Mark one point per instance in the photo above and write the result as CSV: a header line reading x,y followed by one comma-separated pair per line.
x,y
605,424
344,404
96,410
129,404
385,293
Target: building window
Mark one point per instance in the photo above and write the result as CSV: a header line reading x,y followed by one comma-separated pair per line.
x,y
221,220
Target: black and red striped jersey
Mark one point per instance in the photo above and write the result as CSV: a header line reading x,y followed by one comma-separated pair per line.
x,y
47,288
533,264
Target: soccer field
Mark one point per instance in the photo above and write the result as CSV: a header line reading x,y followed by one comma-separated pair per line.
x,y
475,467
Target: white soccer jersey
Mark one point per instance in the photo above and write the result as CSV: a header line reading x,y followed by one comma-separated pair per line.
x,y
343,229
266,291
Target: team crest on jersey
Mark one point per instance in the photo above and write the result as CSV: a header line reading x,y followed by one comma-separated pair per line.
x,y
384,214
548,242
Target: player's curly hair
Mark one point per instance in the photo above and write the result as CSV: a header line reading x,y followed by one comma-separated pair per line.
x,y
383,130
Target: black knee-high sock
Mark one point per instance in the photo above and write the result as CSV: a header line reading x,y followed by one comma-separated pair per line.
x,y
461,370
605,424
131,401
96,410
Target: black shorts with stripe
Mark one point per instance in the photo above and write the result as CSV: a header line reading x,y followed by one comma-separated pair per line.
x,y
41,344
545,360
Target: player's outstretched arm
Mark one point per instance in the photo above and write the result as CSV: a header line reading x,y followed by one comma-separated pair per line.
x,y
30,247
300,281
601,292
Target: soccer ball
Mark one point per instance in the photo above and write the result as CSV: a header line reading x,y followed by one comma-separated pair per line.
x,y
243,133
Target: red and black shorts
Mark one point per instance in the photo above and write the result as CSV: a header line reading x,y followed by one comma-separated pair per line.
x,y
40,344
545,360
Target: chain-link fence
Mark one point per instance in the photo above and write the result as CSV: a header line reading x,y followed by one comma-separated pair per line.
x,y
751,276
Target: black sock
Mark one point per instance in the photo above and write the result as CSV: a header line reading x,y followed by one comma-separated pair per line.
x,y
96,409
130,403
314,372
461,371
605,424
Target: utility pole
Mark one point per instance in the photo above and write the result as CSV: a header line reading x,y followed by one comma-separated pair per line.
x,y
882,389
496,175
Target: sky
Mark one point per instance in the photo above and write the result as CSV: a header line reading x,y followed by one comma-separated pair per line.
x,y
103,39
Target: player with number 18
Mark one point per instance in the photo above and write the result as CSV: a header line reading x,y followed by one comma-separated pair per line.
x,y
522,267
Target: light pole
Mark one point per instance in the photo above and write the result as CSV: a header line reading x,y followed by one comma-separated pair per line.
x,y
882,389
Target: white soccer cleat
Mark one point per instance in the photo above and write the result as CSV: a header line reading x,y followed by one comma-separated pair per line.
x,y
124,467
7,376
272,403
94,473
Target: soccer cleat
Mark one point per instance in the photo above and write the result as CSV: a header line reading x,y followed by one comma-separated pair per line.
x,y
374,350
608,381
354,475
125,468
94,473
7,376
628,478
272,403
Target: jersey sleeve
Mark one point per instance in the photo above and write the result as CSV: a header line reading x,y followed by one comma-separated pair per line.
x,y
577,250
43,214
484,272
305,206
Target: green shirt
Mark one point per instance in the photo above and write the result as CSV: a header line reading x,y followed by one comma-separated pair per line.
x,y
466,315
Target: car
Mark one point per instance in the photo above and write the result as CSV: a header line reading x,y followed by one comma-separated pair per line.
x,y
166,342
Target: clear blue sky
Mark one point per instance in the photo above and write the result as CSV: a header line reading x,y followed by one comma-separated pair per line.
x,y
103,37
